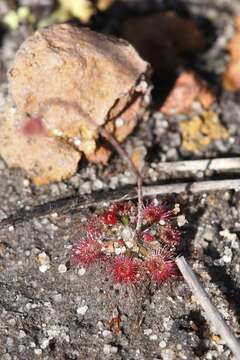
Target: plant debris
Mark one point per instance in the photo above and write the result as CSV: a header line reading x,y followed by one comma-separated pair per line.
x,y
13,18
201,130
59,75
188,88
82,10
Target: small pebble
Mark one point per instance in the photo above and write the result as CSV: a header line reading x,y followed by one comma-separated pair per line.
x,y
119,122
106,333
54,215
38,352
107,349
147,332
26,182
44,268
44,261
228,235
12,322
82,310
209,234
168,354
45,343
181,220
100,325
153,337
81,271
77,142
227,257
120,250
62,268
163,344
43,258
235,244
21,348
57,297
22,334
114,349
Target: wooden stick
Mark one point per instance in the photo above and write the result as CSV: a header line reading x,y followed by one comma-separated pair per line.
x,y
212,313
218,164
76,203
192,187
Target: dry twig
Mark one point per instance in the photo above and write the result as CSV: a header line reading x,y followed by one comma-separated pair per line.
x,y
76,203
193,166
212,313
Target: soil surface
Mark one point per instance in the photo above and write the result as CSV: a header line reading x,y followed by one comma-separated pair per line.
x,y
50,310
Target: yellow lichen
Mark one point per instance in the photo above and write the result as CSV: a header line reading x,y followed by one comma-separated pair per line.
x,y
200,131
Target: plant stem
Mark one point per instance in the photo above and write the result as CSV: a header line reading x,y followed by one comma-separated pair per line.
x,y
121,151
111,139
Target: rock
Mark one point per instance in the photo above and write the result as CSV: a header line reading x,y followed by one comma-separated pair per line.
x,y
189,87
45,159
231,76
74,80
82,310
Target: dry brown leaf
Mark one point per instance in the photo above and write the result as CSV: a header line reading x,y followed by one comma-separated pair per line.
x,y
231,77
59,74
200,131
164,39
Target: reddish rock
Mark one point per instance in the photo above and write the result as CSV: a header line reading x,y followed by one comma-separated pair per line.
x,y
188,88
76,80
44,158
231,76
